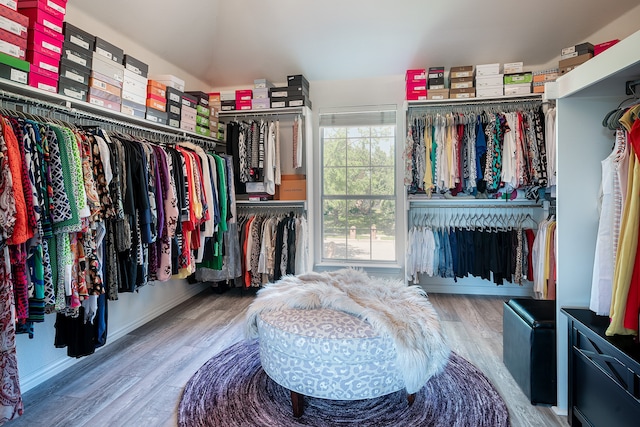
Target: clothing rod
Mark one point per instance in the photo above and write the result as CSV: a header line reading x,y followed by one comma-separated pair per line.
x,y
246,204
473,101
74,113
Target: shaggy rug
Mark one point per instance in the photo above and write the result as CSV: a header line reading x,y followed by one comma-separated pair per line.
x,y
232,390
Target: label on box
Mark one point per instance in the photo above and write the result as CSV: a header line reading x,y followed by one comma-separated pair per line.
x,y
56,7
46,87
18,76
51,25
51,47
458,74
12,27
280,93
77,59
458,85
174,123
11,4
11,49
174,109
104,52
78,41
74,94
172,96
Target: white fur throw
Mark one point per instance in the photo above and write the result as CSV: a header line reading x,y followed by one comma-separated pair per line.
x,y
392,308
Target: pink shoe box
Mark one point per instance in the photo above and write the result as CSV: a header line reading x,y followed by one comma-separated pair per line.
x,y
55,8
43,82
11,4
43,61
13,22
39,16
40,42
243,105
48,31
12,45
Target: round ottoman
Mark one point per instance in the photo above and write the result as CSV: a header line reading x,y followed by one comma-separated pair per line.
x,y
326,354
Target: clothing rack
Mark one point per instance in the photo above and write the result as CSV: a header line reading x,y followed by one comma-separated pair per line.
x,y
271,205
473,216
52,107
473,106
264,113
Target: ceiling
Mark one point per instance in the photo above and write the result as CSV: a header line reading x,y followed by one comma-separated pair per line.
x,y
233,42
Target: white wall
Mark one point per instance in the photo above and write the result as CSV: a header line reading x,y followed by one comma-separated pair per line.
x,y
157,65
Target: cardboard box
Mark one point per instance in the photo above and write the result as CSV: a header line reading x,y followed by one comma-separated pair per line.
x,y
55,8
14,74
104,66
436,83
228,96
188,114
461,71
299,101
125,109
462,93
43,61
201,130
520,78
229,105
190,127
517,89
156,105
109,51
135,66
416,85
435,72
39,16
75,72
487,70
416,95
103,94
169,80
260,103
214,97
292,187
77,55
173,108
418,74
262,93
461,82
545,75
494,80
576,53
14,62
201,97
174,123
106,87
513,67
297,80
40,42
571,49
278,92
203,111
538,87
262,84
44,83
438,94
489,91
106,79
11,4
202,121
12,49
189,101
173,94
78,37
580,59
160,93
135,83
243,104
156,116
17,40
277,103
13,22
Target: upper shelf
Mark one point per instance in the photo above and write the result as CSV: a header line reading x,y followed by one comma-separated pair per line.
x,y
482,100
266,112
39,97
605,74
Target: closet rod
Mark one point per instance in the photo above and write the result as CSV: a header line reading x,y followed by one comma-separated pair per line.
x,y
268,112
474,101
75,113
246,204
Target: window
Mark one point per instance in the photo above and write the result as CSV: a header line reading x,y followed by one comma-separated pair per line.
x,y
358,186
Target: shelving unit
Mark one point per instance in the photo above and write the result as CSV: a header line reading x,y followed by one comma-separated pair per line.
x,y
51,102
585,96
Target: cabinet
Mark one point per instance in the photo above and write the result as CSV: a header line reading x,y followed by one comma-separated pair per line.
x,y
440,120
604,373
585,95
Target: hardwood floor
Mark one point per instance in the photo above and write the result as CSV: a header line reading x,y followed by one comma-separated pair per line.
x,y
138,380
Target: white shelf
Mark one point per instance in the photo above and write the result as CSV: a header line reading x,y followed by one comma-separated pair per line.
x,y
37,97
468,202
605,74
262,112
476,100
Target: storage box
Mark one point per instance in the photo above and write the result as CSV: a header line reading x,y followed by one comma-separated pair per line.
x,y
228,96
107,67
228,105
41,82
13,22
45,44
581,46
169,80
277,103
14,74
103,94
190,127
517,89
189,101
161,93
74,71
135,97
125,109
243,105
156,105
72,89
201,130
576,53
416,95
262,84
214,97
437,83
545,75
14,62
104,86
135,66
418,74
201,97
12,49
489,91
520,78
416,85
15,39
494,80
77,55
202,111
57,9
156,116
462,93
44,72
173,94
11,4
108,50
538,87
461,82
438,94
202,121
297,80
435,72
292,187
260,104
262,93
188,114
513,67
80,38
461,71
279,92
487,70
174,123
135,83
106,79
43,61
39,16
173,108
255,187
581,59
601,47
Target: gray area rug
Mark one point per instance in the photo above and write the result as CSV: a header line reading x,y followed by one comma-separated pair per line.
x,y
232,390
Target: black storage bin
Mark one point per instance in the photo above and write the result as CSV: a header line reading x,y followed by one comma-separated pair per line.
x,y
529,347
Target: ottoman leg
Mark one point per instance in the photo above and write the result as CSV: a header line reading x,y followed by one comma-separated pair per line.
x,y
411,398
297,402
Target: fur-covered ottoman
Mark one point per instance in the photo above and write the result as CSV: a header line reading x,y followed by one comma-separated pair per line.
x,y
344,335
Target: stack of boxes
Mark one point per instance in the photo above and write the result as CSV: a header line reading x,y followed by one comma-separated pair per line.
x,y
44,41
436,88
168,110
174,103
202,113
134,87
462,85
516,81
261,98
416,85
542,77
278,96
243,99
13,42
573,56
489,81
107,75
214,110
75,63
298,91
189,112
228,100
